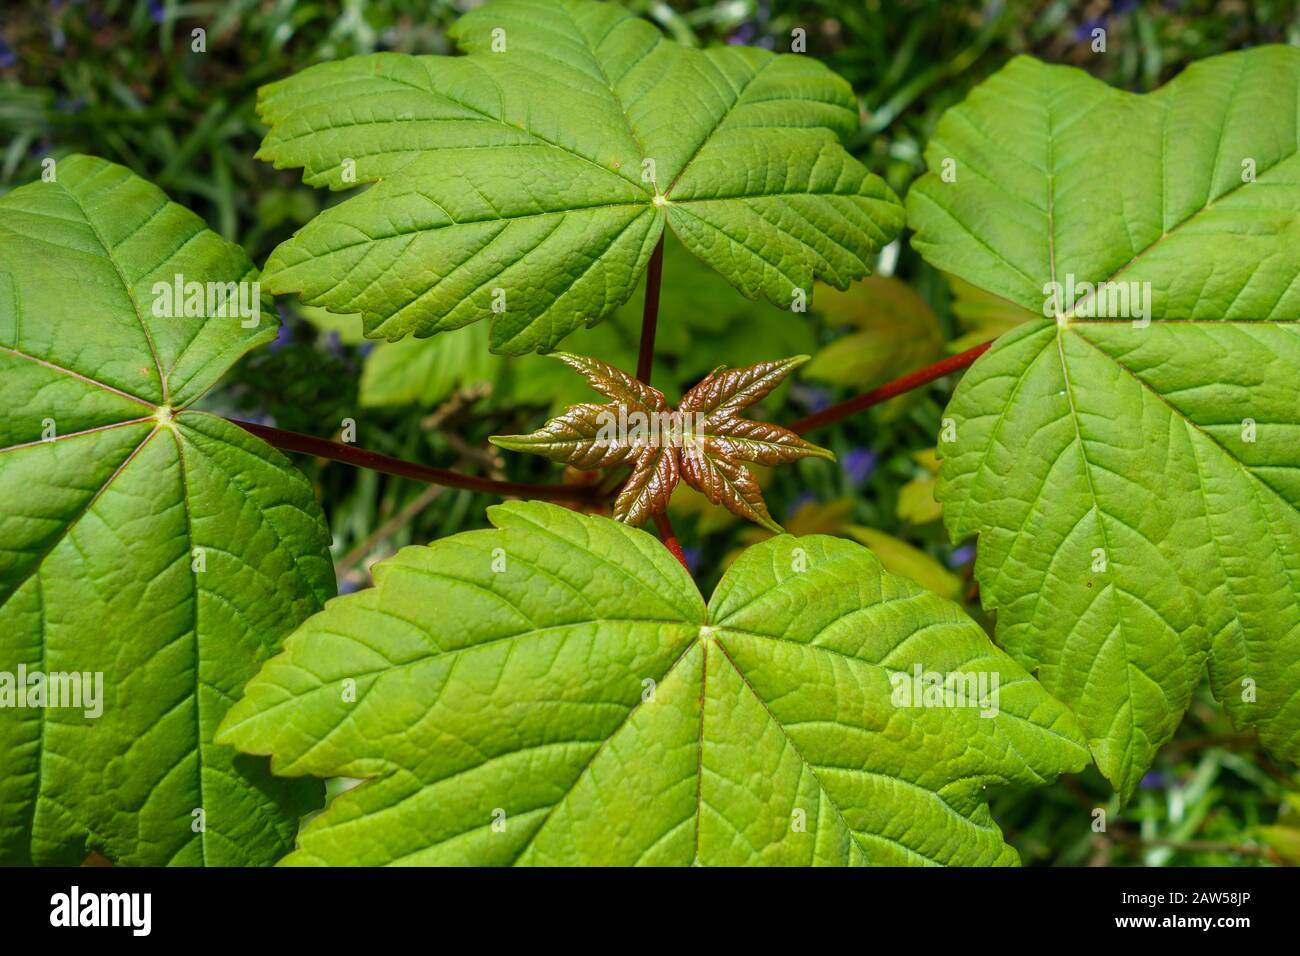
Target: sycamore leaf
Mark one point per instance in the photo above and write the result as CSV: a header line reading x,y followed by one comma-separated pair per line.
x,y
1133,473
346,328
709,319
412,371
836,518
982,315
812,517
703,441
156,552
1282,840
899,557
424,372
891,328
916,501
530,179
555,692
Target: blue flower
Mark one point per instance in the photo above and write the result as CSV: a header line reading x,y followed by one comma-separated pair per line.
x,y
1154,780
806,498
858,465
692,556
1083,32
961,556
281,337
811,397
334,344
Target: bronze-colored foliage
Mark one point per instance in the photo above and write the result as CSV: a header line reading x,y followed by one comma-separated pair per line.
x,y
704,440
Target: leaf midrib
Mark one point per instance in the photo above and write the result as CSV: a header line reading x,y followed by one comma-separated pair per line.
x,y
77,375
194,644
1166,233
811,767
600,748
636,707
1177,413
495,119
127,287
67,529
712,131
1254,480
1130,738
716,639
600,67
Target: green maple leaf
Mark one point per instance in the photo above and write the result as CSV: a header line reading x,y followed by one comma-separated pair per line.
x,y
703,441
531,179
891,327
1135,487
709,319
415,372
166,549
555,691
981,315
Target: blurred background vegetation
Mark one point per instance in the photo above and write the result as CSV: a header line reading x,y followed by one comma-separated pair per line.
x,y
124,80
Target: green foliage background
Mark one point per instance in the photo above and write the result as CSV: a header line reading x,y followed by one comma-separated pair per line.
x,y
120,80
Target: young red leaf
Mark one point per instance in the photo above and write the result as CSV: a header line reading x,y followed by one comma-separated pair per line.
x,y
703,441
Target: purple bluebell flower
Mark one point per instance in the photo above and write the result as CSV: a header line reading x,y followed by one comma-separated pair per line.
x,y
806,498
858,465
961,556
810,397
1154,780
692,556
334,344
282,336
7,56
1083,32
